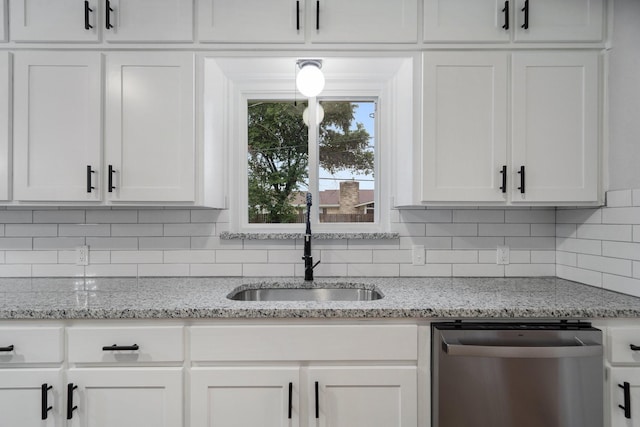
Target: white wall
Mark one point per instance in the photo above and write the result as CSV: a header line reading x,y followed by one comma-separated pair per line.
x,y
624,97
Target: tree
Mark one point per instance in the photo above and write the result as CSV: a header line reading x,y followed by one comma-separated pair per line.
x,y
278,153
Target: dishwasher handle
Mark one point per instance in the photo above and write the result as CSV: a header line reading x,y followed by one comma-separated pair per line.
x,y
550,352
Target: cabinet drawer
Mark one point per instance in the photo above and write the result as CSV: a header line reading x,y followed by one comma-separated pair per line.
x,y
310,342
125,345
31,345
620,341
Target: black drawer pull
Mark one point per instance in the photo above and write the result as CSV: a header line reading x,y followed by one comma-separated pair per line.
x,y
290,399
521,172
90,179
110,173
70,406
116,347
108,11
506,15
87,9
317,402
525,9
45,401
503,172
627,399
7,349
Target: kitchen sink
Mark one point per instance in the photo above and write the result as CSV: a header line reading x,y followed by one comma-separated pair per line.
x,y
316,293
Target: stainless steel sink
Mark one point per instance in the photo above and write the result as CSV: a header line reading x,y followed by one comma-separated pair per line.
x,y
306,294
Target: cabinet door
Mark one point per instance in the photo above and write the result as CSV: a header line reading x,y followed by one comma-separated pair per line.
x,y
363,396
53,21
149,127
251,21
555,127
5,130
230,397
3,25
559,20
56,125
22,398
126,397
466,21
149,21
363,21
465,126
617,380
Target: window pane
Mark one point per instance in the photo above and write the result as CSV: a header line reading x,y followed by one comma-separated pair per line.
x,y
347,158
277,161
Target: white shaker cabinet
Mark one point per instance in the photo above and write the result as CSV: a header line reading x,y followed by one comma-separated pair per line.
x,y
362,21
555,127
245,396
148,20
251,21
464,126
149,127
5,129
54,21
57,109
558,20
467,21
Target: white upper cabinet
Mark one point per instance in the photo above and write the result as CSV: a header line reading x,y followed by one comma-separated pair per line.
x,y
54,21
559,20
362,21
555,126
3,20
56,135
149,127
251,21
491,21
466,20
5,130
148,20
464,126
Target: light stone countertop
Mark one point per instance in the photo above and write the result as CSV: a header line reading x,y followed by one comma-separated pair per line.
x,y
201,298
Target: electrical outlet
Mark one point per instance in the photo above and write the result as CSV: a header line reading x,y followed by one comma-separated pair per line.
x,y
82,255
502,255
417,254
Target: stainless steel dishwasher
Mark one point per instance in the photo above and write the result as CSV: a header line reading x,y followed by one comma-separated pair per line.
x,y
517,375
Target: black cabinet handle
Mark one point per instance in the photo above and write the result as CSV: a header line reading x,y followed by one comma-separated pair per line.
x,y
290,399
298,15
317,402
107,17
627,399
634,347
503,172
506,15
110,179
7,349
525,9
318,15
87,9
45,401
89,179
70,407
521,172
116,347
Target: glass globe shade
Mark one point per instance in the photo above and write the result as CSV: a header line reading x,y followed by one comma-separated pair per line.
x,y
319,115
310,80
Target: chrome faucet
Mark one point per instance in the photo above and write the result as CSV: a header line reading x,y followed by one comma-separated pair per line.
x,y
308,259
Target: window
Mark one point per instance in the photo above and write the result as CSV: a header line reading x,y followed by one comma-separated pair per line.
x,y
335,162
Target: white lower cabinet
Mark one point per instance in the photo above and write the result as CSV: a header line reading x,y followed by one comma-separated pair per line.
x,y
31,397
625,397
124,397
5,129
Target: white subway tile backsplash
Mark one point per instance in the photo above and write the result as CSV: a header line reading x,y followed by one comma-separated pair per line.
x,y
534,216
427,270
30,230
426,216
75,230
214,242
621,215
189,257
504,229
427,242
346,256
164,216
566,230
478,216
567,258
621,250
196,229
529,270
324,270
95,257
477,242
216,270
530,242
58,243
636,233
400,256
543,257
57,270
111,270
619,198
209,215
579,216
139,230
59,217
16,243
636,269
31,257
621,267
519,257
625,285
15,270
112,243
543,230
582,246
635,197
268,270
385,244
605,232
136,257
409,229
15,216
242,257
160,270
164,243
271,244
373,270
288,256
456,229
452,257
478,270
593,278
105,216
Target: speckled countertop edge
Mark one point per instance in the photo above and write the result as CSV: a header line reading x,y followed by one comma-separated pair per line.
x,y
225,235
404,298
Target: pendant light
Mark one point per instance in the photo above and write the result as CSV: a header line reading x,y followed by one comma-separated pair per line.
x,y
310,80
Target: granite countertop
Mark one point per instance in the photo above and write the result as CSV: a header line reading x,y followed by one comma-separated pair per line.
x,y
197,298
